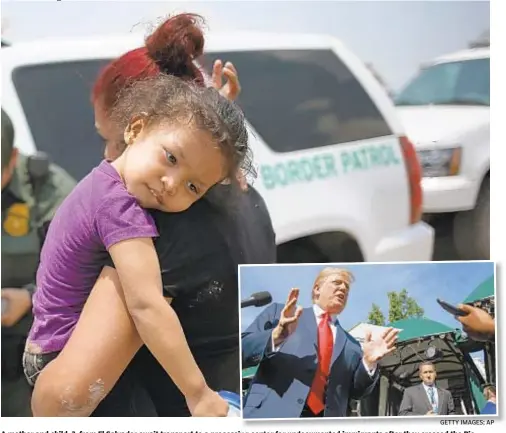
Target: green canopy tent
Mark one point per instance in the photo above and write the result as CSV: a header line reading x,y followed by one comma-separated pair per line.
x,y
421,340
484,291
414,328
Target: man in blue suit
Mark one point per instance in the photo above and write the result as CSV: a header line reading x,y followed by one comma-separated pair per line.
x,y
309,366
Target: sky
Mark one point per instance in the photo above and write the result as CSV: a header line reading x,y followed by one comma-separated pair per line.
x,y
425,282
396,36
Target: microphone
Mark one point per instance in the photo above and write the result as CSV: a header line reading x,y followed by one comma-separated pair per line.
x,y
258,299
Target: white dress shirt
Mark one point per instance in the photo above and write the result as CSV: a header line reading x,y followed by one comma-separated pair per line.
x,y
436,397
318,312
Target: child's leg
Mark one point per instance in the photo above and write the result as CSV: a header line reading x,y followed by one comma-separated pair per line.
x,y
100,348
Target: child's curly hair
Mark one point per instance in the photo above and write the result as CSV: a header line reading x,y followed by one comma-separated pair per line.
x,y
170,100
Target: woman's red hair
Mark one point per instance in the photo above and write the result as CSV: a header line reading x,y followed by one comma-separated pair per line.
x,y
171,49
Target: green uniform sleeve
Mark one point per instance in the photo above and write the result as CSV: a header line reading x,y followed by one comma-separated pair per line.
x,y
55,189
51,194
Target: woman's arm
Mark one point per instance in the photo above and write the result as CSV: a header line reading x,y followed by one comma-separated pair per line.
x,y
100,348
158,325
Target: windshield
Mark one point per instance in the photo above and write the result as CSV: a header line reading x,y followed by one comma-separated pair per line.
x,y
456,83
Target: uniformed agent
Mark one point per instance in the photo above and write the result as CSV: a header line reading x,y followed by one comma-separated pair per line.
x,y
32,189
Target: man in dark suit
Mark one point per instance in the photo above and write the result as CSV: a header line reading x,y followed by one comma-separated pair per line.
x,y
309,366
426,398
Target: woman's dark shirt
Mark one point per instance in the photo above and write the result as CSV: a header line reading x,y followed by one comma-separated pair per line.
x,y
199,251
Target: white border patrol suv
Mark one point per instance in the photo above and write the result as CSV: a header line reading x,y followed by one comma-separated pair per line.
x,y
340,178
446,111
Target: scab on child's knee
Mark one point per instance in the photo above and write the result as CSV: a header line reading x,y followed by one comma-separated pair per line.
x,y
82,399
70,397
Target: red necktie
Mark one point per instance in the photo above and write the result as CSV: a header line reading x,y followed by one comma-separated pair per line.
x,y
315,400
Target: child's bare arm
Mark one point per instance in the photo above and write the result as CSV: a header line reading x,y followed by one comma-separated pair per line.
x,y
158,325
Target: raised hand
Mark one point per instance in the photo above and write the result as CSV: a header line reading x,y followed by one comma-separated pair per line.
x,y
288,319
232,87
376,349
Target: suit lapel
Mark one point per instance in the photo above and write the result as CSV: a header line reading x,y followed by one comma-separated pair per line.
x,y
425,397
440,396
339,342
307,325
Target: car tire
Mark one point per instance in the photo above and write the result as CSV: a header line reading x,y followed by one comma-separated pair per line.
x,y
300,251
471,229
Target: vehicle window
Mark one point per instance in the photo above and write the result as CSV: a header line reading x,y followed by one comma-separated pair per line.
x,y
302,99
56,101
456,83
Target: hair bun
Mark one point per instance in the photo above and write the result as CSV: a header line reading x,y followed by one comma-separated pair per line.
x,y
176,43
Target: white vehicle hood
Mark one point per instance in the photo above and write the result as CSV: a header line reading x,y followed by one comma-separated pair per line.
x,y
434,126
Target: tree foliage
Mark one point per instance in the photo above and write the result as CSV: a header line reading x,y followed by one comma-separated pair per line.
x,y
400,306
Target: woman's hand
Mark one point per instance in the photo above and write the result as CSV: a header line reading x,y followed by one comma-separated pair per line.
x,y
241,179
231,91
232,87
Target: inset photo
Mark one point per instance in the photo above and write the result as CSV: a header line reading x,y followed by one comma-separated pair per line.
x,y
368,340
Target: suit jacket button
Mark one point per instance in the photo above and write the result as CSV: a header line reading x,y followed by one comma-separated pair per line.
x,y
300,401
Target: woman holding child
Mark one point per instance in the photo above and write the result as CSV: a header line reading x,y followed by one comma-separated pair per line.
x,y
104,287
